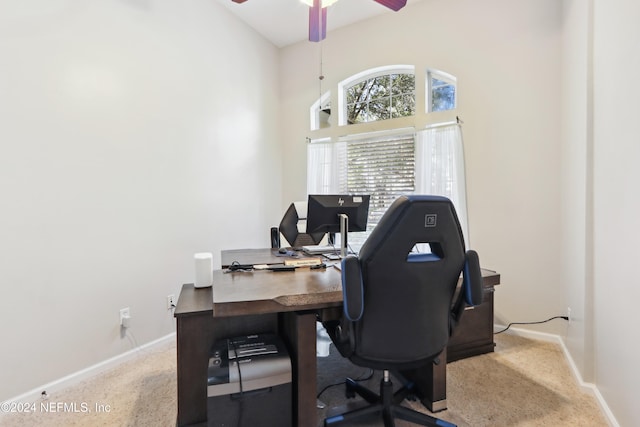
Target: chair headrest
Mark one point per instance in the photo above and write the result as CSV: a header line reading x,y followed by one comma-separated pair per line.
x,y
413,220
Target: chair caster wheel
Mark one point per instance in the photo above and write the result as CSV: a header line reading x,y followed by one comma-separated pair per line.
x,y
349,394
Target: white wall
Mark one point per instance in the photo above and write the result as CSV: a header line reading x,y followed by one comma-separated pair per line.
x,y
601,206
616,231
133,133
577,182
506,56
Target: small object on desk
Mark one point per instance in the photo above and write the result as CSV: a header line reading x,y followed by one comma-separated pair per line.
x,y
318,266
236,266
332,256
302,262
203,269
281,267
286,253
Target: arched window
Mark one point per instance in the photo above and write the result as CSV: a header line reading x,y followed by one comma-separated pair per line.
x,y
383,160
378,94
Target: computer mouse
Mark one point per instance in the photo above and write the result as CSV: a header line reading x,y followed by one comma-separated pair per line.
x,y
282,251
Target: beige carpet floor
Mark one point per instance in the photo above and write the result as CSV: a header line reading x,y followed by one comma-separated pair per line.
x,y
524,383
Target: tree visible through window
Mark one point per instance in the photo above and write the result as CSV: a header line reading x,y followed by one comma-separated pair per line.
x,y
381,98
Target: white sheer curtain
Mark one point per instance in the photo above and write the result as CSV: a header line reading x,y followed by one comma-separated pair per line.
x,y
326,167
440,168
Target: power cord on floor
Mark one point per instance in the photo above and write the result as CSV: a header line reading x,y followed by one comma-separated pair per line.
x,y
531,323
366,377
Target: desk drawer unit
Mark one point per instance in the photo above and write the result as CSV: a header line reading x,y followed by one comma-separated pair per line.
x,y
474,334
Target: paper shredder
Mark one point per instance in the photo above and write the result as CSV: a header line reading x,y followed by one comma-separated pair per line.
x,y
249,383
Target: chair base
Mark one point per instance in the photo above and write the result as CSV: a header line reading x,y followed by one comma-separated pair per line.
x,y
387,405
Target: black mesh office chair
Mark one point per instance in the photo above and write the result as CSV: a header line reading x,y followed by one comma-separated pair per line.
x,y
400,306
289,229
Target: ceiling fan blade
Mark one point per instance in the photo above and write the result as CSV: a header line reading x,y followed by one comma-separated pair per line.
x,y
317,21
394,5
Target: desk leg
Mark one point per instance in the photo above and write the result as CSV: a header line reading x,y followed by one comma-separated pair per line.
x,y
299,331
431,382
193,335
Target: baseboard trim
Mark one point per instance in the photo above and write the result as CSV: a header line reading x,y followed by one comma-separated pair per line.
x,y
586,386
92,371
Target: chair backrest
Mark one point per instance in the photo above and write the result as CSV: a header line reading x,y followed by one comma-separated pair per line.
x,y
290,227
402,317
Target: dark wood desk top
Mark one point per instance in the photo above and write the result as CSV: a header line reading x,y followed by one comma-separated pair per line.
x,y
193,301
263,291
243,293
257,292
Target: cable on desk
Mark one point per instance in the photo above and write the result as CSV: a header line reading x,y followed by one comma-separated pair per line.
x,y
531,323
236,266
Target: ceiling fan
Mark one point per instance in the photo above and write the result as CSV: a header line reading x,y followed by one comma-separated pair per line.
x,y
318,14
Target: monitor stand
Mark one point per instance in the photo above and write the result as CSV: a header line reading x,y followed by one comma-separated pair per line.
x,y
344,229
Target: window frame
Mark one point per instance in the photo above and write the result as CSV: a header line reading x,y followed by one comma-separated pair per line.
x,y
440,75
368,74
321,104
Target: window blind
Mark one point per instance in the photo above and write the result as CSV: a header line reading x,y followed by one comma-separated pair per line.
x,y
384,168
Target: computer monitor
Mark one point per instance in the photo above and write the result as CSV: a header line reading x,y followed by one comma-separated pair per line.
x,y
337,213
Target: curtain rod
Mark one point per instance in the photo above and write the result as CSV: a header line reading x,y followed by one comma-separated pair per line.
x,y
377,134
458,121
382,133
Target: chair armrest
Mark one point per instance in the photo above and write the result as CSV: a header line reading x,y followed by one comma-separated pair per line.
x,y
472,279
352,288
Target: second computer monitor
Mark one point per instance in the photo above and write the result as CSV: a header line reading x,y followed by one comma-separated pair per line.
x,y
323,212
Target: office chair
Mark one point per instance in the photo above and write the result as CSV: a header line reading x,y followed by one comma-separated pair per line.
x,y
400,306
289,228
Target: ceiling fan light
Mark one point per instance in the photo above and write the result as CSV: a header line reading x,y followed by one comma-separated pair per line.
x,y
325,3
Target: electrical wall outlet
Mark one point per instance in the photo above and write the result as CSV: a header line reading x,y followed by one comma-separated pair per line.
x,y
171,302
125,317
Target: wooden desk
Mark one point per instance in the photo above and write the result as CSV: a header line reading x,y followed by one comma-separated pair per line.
x,y
240,303
286,303
197,330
